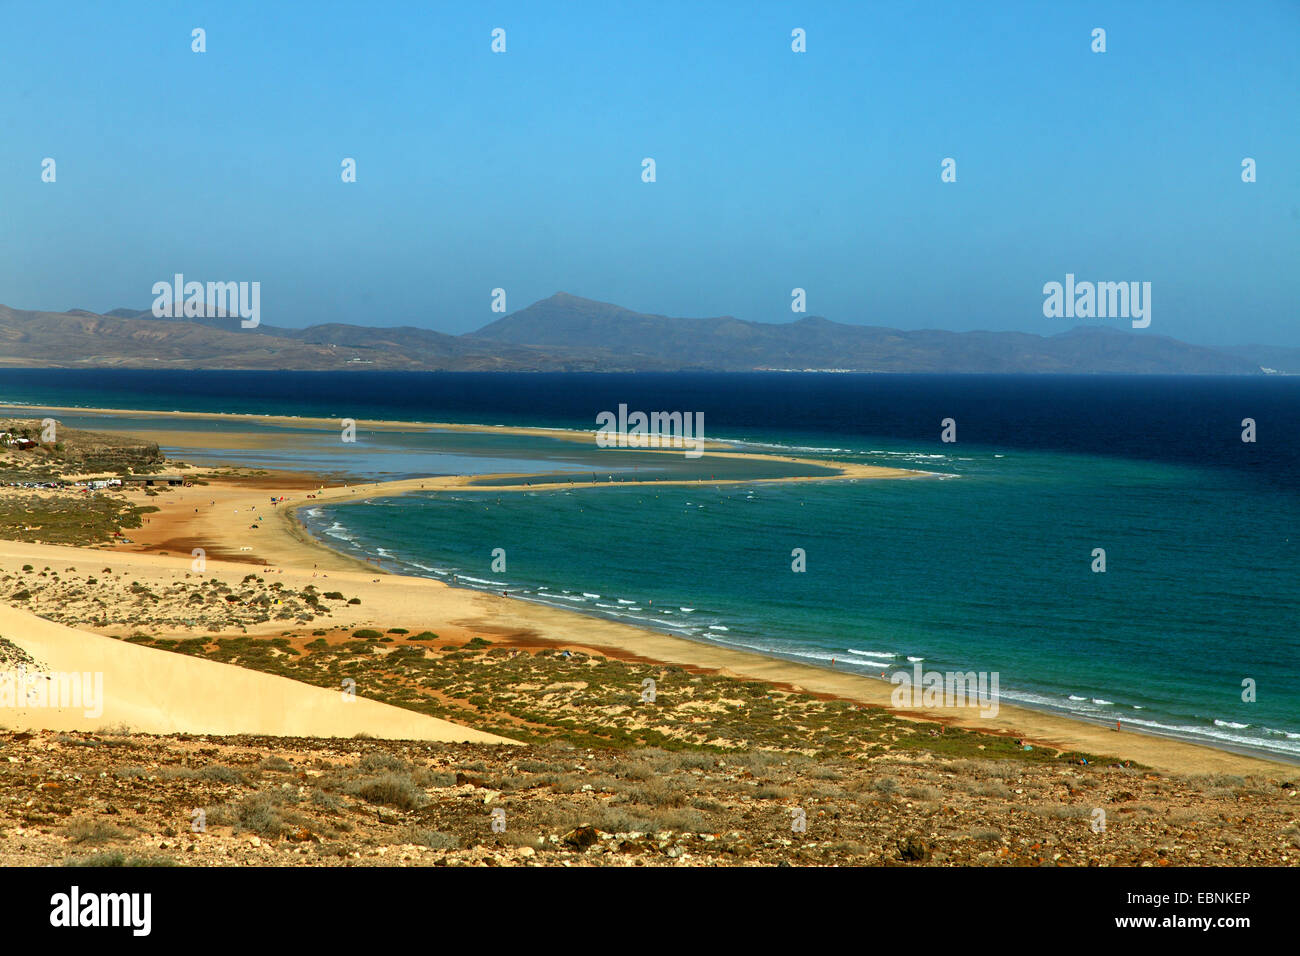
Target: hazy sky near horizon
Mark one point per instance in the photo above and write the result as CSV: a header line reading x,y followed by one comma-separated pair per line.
x,y
775,169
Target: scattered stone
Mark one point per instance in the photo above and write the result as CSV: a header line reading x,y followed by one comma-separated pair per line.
x,y
581,837
914,850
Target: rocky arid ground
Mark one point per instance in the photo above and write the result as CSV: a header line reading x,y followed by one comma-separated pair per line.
x,y
115,799
93,598
713,771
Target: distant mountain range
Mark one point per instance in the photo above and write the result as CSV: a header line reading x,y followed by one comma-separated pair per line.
x,y
568,333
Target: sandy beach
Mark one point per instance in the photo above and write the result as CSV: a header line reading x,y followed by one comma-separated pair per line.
x,y
219,517
332,424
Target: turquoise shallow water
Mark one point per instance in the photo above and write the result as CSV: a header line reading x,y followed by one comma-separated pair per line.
x,y
986,570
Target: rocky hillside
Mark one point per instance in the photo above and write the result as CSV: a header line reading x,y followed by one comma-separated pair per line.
x,y
569,333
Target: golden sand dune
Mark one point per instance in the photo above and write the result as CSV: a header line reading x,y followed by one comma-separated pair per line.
x,y
159,692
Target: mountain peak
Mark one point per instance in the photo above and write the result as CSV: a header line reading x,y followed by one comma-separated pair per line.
x,y
568,300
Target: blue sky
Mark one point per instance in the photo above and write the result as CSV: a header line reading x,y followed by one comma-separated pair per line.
x,y
774,169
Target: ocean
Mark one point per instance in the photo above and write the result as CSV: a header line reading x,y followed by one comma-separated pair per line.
x,y
987,568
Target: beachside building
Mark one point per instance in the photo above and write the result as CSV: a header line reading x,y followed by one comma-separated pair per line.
x,y
150,480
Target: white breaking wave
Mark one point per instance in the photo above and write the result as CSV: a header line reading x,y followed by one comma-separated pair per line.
x,y
1282,733
803,448
339,531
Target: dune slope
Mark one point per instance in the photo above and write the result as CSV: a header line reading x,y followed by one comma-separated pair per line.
x,y
159,692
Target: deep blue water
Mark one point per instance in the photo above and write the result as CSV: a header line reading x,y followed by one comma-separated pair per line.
x,y
1192,419
986,570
